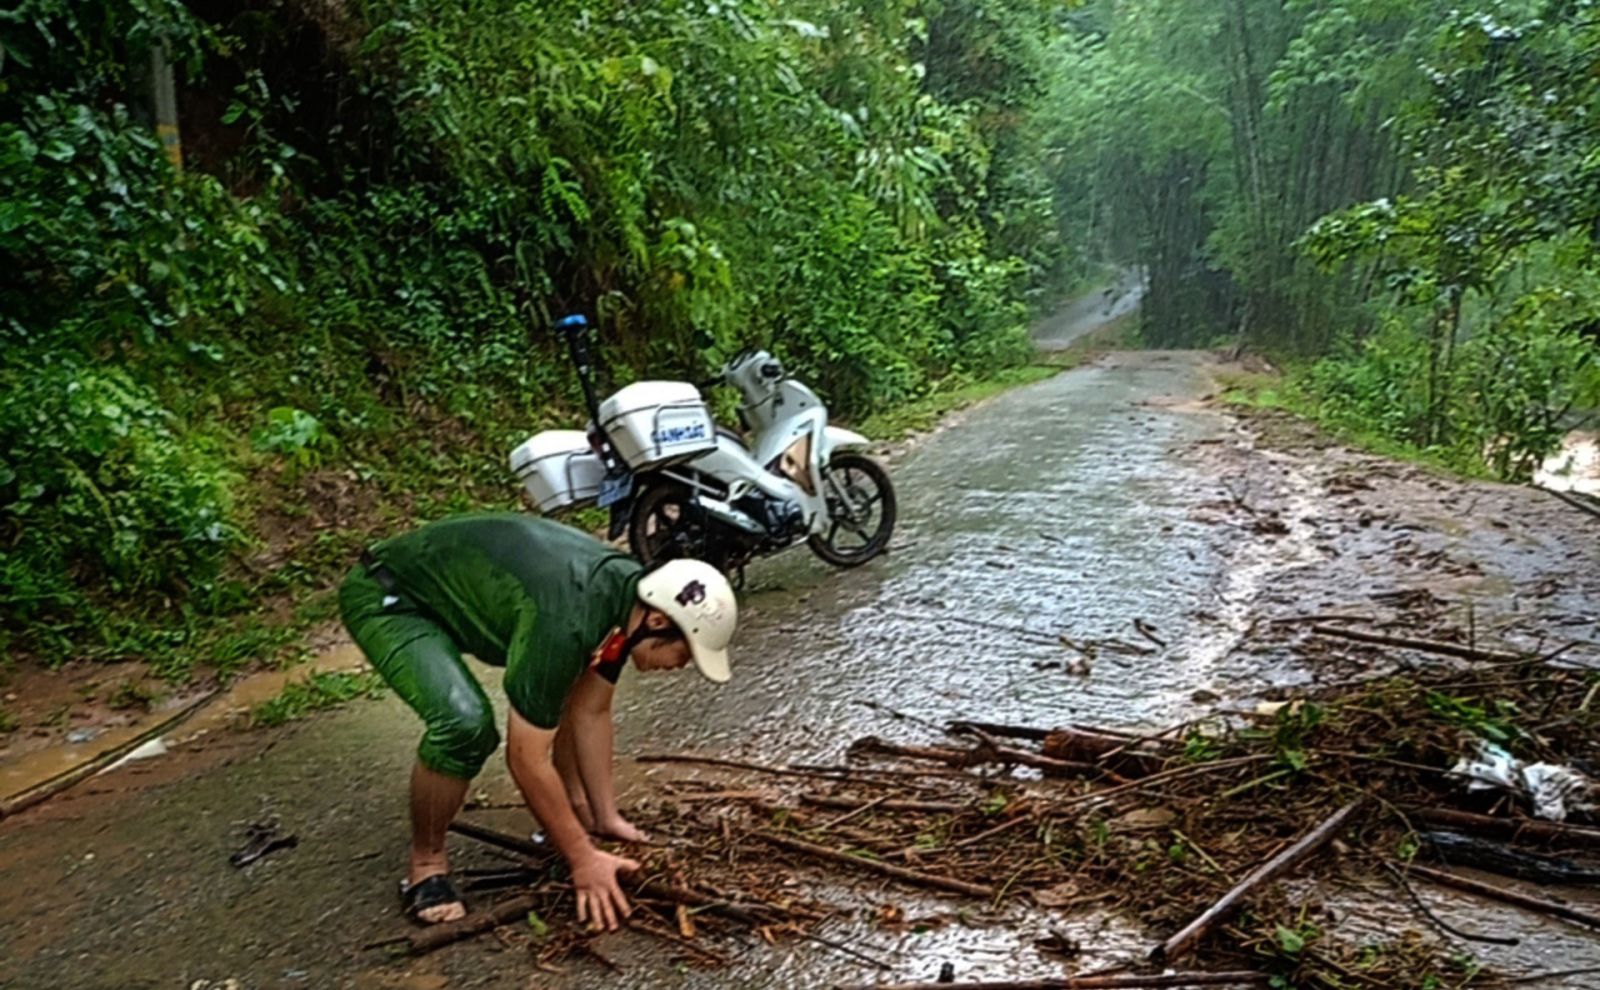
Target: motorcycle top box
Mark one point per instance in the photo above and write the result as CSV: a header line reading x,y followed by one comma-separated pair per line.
x,y
652,424
558,469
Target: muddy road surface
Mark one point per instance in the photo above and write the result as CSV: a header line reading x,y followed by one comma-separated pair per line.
x,y
1035,530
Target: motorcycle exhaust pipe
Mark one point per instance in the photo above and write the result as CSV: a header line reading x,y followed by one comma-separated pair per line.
x,y
726,514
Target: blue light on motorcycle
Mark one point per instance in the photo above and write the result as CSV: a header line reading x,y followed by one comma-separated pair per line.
x,y
572,320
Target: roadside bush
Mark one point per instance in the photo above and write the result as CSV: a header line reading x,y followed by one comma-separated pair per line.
x,y
1521,383
99,480
1374,386
1506,398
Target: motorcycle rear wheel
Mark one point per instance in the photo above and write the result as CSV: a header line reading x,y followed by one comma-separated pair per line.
x,y
861,502
663,524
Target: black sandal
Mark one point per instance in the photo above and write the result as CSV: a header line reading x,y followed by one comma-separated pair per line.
x,y
429,892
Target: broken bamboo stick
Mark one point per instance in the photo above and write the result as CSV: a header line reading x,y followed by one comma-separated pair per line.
x,y
1095,981
989,752
444,933
1420,645
875,866
1551,833
832,801
937,754
1539,904
996,729
1292,856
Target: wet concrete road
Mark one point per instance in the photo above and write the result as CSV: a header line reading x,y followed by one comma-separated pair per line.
x,y
1070,507
1051,510
1089,313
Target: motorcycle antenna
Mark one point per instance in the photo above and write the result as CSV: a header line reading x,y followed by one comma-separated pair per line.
x,y
572,326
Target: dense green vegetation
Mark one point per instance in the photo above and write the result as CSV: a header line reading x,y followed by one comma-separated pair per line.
x,y
217,382
1400,196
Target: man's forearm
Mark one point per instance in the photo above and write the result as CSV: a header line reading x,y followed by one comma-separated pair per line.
x,y
547,799
593,746
529,753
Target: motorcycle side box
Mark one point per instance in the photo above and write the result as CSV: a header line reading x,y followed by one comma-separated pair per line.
x,y
558,469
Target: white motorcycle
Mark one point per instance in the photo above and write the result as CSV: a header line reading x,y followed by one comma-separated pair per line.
x,y
680,486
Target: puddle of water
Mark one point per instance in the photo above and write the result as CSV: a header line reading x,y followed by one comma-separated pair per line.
x,y
30,769
1575,467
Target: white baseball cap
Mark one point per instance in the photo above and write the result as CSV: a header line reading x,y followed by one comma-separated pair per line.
x,y
699,601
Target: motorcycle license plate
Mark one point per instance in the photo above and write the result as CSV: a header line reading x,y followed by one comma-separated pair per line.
x,y
614,489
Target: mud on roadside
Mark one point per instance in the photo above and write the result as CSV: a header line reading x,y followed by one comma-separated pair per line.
x,y
1396,544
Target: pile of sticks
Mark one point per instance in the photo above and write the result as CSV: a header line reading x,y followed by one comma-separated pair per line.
x,y
1187,831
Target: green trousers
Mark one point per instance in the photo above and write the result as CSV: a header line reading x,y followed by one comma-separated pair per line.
x,y
423,665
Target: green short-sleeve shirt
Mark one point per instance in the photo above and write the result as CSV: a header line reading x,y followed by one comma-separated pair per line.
x,y
517,591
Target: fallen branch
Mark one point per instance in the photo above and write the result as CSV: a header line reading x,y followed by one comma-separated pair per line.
x,y
1005,826
847,950
1539,904
1109,981
989,752
1550,833
937,807
1046,763
710,955
1575,503
1285,861
45,790
1148,631
445,933
494,837
1438,922
1193,770
750,914
996,729
1292,620
875,866
841,819
1068,743
937,754
1420,645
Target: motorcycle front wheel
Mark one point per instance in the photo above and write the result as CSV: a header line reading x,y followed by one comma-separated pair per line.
x,y
861,510
664,525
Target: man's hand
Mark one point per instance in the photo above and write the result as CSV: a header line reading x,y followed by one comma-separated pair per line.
x,y
618,827
600,899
